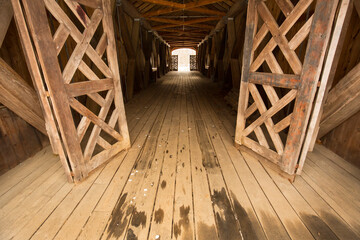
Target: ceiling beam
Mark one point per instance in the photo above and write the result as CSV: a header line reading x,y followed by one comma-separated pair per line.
x,y
189,31
183,23
175,25
133,12
175,7
235,9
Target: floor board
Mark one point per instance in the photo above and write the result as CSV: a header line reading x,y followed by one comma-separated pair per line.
x,y
181,179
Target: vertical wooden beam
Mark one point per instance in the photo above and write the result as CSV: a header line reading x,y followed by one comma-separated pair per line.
x,y
327,77
37,21
251,24
318,39
147,48
114,67
34,70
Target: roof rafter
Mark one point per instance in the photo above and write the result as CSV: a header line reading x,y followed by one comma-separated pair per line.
x,y
174,7
175,25
189,22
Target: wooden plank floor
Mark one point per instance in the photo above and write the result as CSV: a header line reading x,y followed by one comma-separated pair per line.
x,y
181,179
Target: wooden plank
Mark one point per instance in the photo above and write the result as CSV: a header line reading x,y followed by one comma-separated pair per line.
x,y
114,67
80,49
59,14
174,7
105,177
284,28
355,172
20,98
88,87
241,206
270,223
281,205
276,80
183,220
90,3
335,220
226,224
6,14
52,224
335,204
164,200
327,77
36,14
145,197
323,18
280,39
251,25
205,225
97,223
33,203
317,225
342,102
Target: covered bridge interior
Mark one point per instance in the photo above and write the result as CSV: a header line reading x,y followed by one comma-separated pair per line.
x,y
103,137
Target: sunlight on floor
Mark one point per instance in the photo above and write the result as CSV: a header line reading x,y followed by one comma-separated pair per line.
x,y
184,58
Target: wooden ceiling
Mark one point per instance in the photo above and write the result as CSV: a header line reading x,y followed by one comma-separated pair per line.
x,y
183,23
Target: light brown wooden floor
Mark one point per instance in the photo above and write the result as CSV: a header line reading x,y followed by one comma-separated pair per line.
x,y
182,179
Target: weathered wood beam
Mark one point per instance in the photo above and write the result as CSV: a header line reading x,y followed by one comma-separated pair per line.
x,y
201,26
342,102
20,98
174,9
276,80
234,10
206,11
327,77
183,23
133,12
6,14
182,6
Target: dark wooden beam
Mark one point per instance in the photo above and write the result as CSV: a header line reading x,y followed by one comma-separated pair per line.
x,y
175,7
6,14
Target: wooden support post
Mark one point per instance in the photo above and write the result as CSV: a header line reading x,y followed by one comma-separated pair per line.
x,y
220,50
147,48
251,25
315,53
234,62
327,77
131,42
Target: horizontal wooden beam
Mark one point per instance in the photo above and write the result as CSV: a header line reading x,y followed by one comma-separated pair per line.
x,y
183,23
87,87
235,9
342,102
182,6
188,6
133,12
20,98
276,80
201,26
206,11
90,3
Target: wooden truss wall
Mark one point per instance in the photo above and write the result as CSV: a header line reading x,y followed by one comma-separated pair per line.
x,y
193,64
83,137
293,90
174,62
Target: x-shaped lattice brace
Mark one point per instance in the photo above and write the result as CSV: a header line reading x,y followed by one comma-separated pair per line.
x,y
75,62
